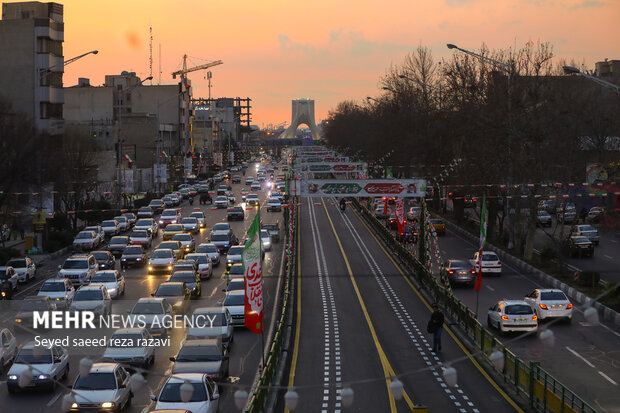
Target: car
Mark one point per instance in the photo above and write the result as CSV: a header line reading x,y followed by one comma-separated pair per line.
x,y
8,348
274,205
512,315
172,230
234,256
131,218
190,224
256,185
133,256
141,237
205,265
249,180
111,227
278,195
252,199
118,244
439,225
211,250
123,222
204,397
265,239
157,206
59,291
567,213
161,260
231,197
169,216
175,293
98,229
168,201
392,223
152,313
95,298
380,212
414,213
176,199
223,241
200,217
86,241
219,325
273,229
145,212
235,273
106,387
207,356
221,190
24,267
51,363
490,263
587,231
221,202
185,265
235,212
113,281
579,246
191,279
79,269
187,242
130,346
548,205
543,219
459,272
235,284
469,201
236,179
147,224
29,305
105,259
221,227
595,214
234,302
550,303
185,193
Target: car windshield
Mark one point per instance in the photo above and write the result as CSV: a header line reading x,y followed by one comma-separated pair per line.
x,y
171,245
222,199
17,263
183,276
518,309
213,319
95,381
236,285
104,277
147,308
274,200
199,353
84,235
118,241
264,233
197,215
201,259
236,209
75,265
125,339
581,240
543,214
52,286
252,197
182,237
220,227
144,223
236,299
156,202
219,237
162,254
489,257
33,305
206,248
108,224
101,256
189,220
553,296
168,290
139,234
459,264
237,250
29,356
88,295
134,250
587,228
171,393
169,214
174,227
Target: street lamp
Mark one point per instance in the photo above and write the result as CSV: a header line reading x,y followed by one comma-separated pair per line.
x,y
44,71
371,98
118,136
484,59
389,89
571,70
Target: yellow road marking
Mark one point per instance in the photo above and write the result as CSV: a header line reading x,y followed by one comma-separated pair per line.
x,y
291,377
449,330
388,371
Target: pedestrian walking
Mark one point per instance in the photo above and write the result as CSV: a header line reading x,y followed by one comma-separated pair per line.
x,y
435,327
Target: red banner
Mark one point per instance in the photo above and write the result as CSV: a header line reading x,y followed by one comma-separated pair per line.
x,y
385,206
381,188
344,167
400,215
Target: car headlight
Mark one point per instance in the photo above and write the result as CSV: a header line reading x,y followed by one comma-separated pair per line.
x,y
12,376
18,320
107,405
178,304
150,268
170,267
123,259
161,222
138,259
43,376
112,290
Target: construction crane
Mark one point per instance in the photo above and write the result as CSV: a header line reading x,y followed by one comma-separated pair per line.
x,y
185,70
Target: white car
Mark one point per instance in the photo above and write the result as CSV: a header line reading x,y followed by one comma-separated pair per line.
x,y
217,323
234,302
86,241
93,298
113,281
111,227
221,202
130,346
25,268
123,222
147,224
265,239
98,230
252,199
162,260
149,309
205,265
204,399
221,227
141,237
550,303
48,364
512,315
255,186
8,348
200,217
274,204
490,263
59,290
249,180
106,388
211,250
191,224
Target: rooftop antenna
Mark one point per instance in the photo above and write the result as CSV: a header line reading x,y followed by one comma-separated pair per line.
x,y
151,53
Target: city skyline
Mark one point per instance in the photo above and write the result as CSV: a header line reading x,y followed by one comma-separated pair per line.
x,y
341,53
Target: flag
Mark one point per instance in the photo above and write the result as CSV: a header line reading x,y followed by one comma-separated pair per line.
x,y
388,173
385,206
253,275
164,154
128,157
400,215
483,236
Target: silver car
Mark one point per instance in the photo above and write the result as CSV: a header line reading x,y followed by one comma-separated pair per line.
x,y
587,231
93,298
153,311
205,397
48,364
113,280
212,322
24,267
130,346
106,388
60,291
190,224
8,348
211,250
205,265
234,302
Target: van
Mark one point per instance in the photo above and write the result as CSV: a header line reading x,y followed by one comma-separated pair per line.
x,y
79,269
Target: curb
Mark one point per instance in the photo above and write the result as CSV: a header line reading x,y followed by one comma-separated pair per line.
x,y
605,312
52,255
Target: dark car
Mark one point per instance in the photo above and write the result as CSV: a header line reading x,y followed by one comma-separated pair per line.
x,y
118,244
157,205
236,179
579,246
459,272
175,293
223,241
133,256
392,222
105,259
235,212
469,201
191,280
273,229
202,356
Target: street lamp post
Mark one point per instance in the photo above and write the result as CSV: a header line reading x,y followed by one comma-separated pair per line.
x,y
571,70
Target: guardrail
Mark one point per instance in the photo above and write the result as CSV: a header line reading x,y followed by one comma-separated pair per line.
x,y
259,397
544,392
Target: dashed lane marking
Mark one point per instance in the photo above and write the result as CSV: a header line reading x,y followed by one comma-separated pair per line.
x,y
580,356
608,378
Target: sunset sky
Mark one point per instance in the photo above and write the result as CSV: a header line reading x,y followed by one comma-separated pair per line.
x,y
327,50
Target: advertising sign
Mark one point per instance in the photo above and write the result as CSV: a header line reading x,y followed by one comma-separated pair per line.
x,y
406,188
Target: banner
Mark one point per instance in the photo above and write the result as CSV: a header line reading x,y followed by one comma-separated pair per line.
x,y
253,274
400,215
330,167
405,188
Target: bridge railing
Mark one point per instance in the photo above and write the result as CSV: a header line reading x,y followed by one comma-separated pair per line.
x,y
544,392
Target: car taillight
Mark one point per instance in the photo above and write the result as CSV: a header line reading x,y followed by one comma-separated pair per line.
x,y
451,272
504,317
499,263
534,317
472,272
543,306
569,306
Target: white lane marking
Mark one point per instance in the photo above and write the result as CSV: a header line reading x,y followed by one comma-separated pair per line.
x,y
53,400
580,356
608,378
213,292
490,288
607,256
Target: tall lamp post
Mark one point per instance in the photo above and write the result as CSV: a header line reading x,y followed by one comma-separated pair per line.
x,y
571,70
119,141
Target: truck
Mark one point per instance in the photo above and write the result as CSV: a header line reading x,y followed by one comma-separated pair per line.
x,y
273,229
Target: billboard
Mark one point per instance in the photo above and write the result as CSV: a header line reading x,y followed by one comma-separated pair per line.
x,y
405,188
332,167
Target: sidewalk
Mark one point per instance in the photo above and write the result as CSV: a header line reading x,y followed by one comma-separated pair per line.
x,y
39,259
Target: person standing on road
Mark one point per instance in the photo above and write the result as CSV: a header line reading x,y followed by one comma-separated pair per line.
x,y
435,326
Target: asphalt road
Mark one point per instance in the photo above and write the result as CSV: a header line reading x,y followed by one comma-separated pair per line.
x,y
245,352
362,321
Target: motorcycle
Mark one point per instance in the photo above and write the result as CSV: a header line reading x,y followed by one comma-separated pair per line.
x,y
343,206
191,200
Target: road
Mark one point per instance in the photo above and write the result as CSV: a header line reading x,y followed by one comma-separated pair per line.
x,y
362,321
245,352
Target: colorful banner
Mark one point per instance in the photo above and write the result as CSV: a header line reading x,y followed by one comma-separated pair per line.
x,y
331,167
252,268
400,215
405,188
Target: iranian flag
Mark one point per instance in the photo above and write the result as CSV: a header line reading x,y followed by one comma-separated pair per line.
x,y
164,154
128,157
253,274
483,237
